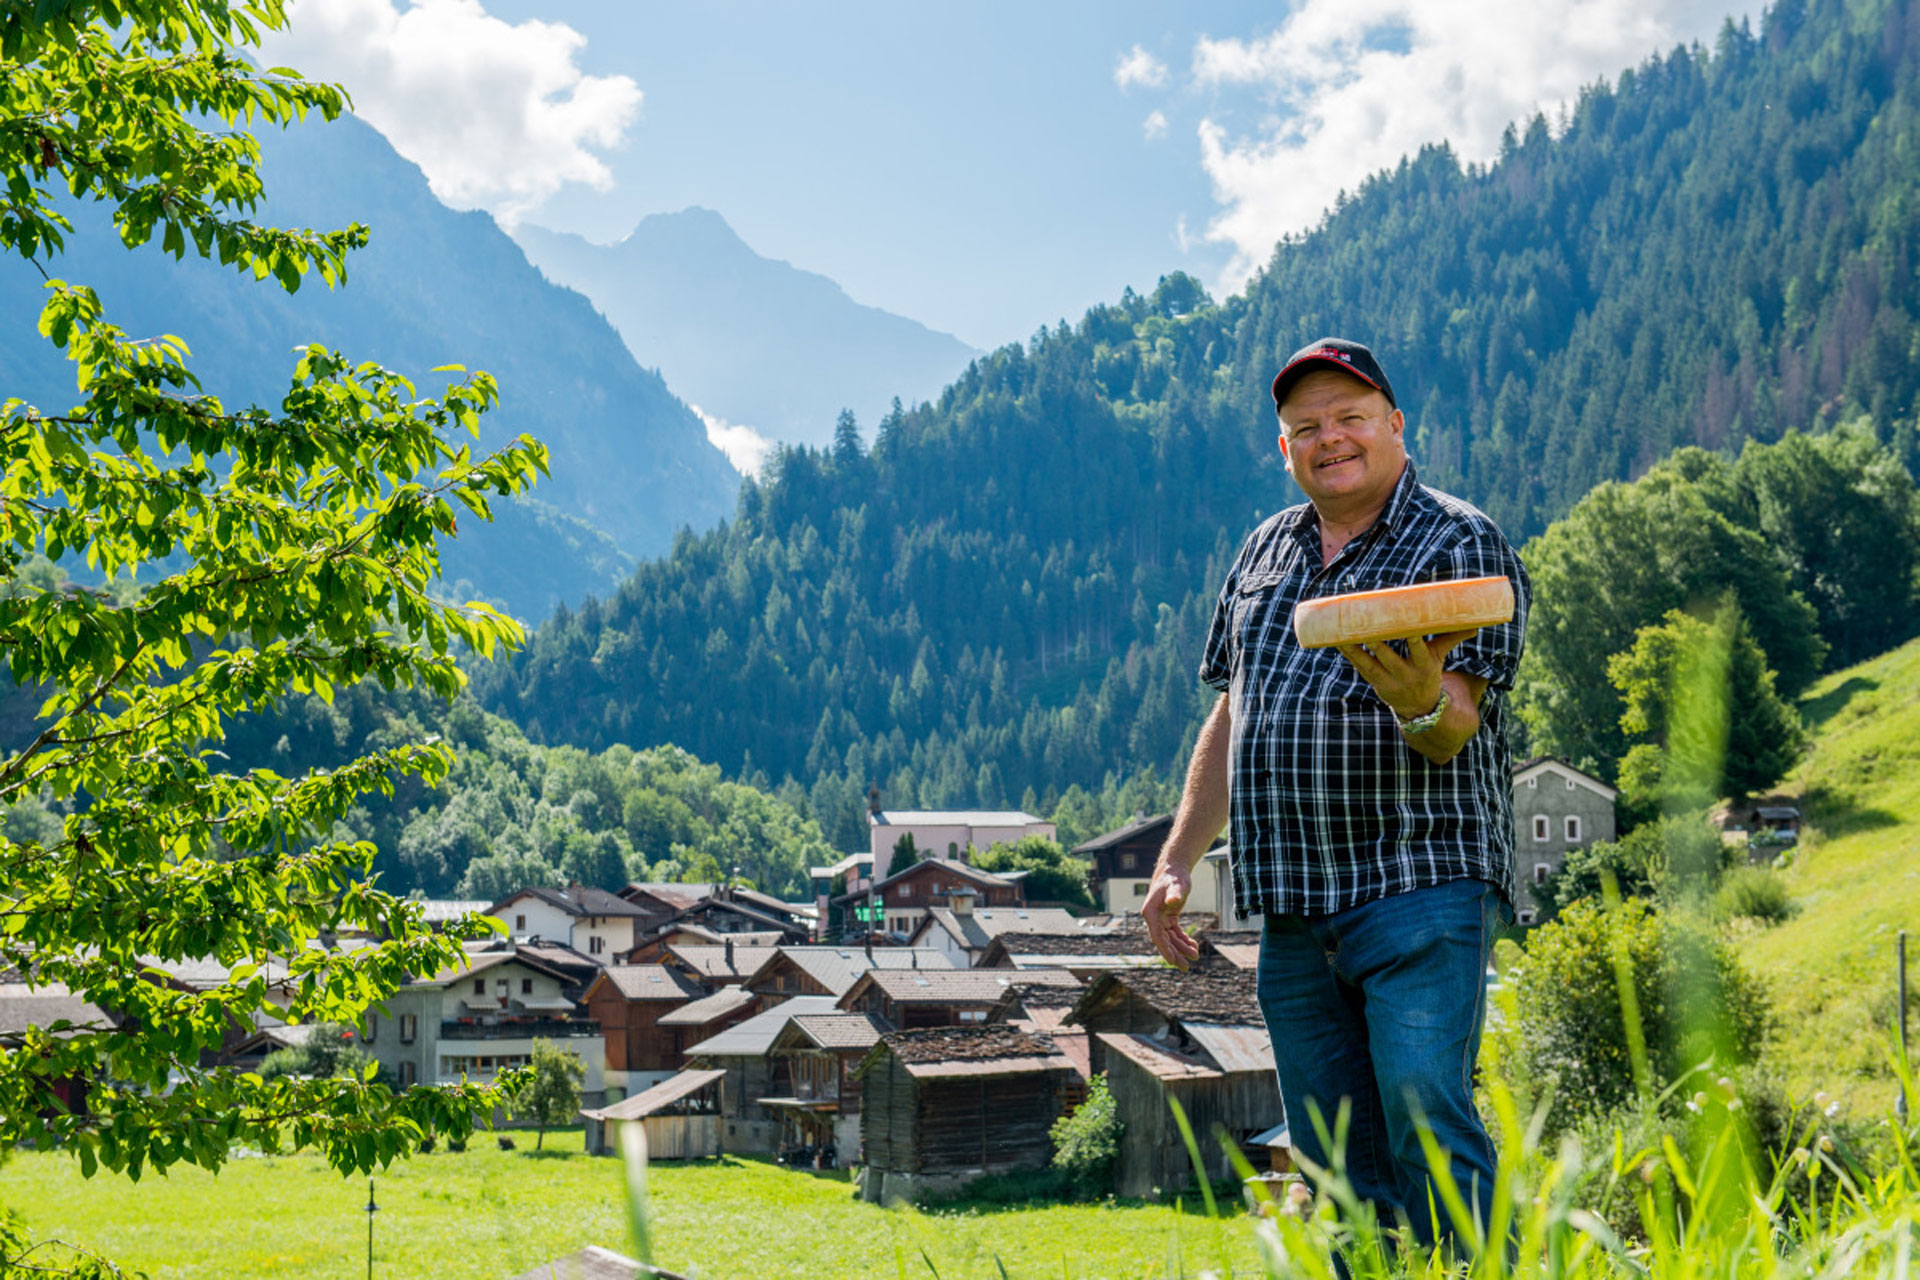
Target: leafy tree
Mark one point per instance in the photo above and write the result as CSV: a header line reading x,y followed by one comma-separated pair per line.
x,y
1696,1005
1701,695
1053,874
551,1090
329,1050
1086,1142
285,550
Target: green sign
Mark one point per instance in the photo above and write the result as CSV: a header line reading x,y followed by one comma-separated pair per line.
x,y
875,913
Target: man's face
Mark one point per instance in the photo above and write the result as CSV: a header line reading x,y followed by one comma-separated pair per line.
x,y
1342,441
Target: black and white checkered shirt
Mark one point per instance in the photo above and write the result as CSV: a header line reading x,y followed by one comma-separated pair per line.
x,y
1330,807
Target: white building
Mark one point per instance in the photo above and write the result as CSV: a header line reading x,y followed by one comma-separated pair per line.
x,y
591,921
947,835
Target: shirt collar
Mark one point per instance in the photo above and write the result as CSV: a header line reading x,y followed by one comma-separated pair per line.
x,y
1406,493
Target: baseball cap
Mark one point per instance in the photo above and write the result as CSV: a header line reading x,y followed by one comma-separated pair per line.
x,y
1348,357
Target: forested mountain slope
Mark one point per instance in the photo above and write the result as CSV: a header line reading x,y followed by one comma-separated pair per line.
x,y
1009,591
749,339
631,463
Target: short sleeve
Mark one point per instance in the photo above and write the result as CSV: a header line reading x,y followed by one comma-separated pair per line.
x,y
1216,663
1492,653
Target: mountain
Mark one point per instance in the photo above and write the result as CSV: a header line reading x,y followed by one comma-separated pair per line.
x,y
1007,595
749,339
631,464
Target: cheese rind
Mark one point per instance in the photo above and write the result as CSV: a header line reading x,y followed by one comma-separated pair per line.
x,y
1401,613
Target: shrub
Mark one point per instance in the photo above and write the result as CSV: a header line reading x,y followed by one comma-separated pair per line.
x,y
1696,1005
1086,1143
329,1050
1755,892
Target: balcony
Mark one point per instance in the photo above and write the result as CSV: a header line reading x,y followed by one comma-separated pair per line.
x,y
518,1029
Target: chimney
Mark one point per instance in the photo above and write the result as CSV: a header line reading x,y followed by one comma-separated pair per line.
x,y
873,801
960,902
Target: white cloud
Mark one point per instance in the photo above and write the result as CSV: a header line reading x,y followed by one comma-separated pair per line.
x,y
497,115
745,448
1155,126
1353,85
1138,67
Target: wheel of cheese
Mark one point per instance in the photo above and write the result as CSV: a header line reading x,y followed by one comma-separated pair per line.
x,y
1400,613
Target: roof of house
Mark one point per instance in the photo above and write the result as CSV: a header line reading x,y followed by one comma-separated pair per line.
x,y
646,1102
24,1005
752,1038
951,818
973,930
590,1263
993,1049
646,982
721,961
574,899
831,1031
1157,1059
1223,996
838,968
1233,1048
1120,835
441,910
671,894
952,986
966,871
1238,947
698,1013
1554,764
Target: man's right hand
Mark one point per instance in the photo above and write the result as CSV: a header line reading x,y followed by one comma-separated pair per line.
x,y
1166,898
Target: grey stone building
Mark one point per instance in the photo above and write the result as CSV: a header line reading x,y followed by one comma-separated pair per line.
x,y
1556,809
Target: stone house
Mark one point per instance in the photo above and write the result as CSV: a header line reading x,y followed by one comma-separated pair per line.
x,y
1556,809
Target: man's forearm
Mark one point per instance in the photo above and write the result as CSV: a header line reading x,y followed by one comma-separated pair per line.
x,y
1203,802
1460,721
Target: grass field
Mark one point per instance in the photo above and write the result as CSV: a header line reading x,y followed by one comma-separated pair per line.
x,y
1856,880
489,1213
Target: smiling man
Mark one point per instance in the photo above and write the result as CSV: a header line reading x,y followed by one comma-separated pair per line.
x,y
1367,789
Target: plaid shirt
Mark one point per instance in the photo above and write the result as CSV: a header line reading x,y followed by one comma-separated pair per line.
x,y
1330,807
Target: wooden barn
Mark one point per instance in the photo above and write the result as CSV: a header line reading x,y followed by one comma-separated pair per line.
x,y
942,1106
681,1117
1196,1038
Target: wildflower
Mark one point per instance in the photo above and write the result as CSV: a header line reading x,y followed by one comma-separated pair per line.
x,y
1801,1155
1826,1142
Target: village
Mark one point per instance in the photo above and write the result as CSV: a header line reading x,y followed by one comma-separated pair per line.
x,y
925,1025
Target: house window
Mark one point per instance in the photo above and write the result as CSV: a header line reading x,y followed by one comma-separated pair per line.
x,y
1541,870
1527,915
1533,783
1128,862
373,1026
409,1075
1569,784
973,1015
1540,827
479,986
520,922
906,892
953,849
1573,827
500,989
526,986
409,1027
596,944
1140,889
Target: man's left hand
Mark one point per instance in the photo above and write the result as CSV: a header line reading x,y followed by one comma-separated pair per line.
x,y
1408,683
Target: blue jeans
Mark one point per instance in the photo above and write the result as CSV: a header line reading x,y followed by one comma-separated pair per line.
x,y
1380,1006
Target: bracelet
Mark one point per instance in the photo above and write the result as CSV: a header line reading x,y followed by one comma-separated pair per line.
x,y
1420,724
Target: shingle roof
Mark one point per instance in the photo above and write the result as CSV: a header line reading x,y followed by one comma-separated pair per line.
x,y
650,982
1157,1059
955,986
645,1103
575,900
709,1009
838,1030
995,1049
1223,996
23,1006
1122,834
754,1037
975,929
1084,943
713,962
838,968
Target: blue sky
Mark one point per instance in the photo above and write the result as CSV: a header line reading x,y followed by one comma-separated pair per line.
x,y
985,169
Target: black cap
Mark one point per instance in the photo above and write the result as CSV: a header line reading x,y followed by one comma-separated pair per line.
x,y
1348,357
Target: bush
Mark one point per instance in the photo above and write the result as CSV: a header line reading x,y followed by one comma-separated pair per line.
x,y
1754,892
329,1050
1087,1143
1696,1005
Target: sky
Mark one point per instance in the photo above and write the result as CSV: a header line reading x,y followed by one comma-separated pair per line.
x,y
984,169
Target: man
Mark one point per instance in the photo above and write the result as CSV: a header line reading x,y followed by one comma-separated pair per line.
x,y
1368,793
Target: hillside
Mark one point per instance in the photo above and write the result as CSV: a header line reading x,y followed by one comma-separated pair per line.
x,y
631,463
1856,880
1008,592
748,339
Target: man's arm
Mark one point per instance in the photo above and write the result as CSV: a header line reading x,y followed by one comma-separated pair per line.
x,y
1411,685
1203,811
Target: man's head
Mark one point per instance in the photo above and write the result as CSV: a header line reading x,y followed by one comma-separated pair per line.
x,y
1340,430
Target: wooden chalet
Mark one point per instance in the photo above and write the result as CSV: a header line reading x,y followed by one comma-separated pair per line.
x,y
681,1117
906,999
742,1052
832,971
1123,860
1198,1038
628,1000
725,965
904,897
964,931
708,1016
718,909
941,1107
814,1098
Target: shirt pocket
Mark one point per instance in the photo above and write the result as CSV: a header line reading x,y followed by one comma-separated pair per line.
x,y
1255,598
